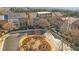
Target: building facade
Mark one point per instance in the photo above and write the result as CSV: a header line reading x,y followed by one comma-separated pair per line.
x,y
19,19
4,17
69,22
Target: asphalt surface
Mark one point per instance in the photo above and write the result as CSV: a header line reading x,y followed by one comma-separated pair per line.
x,y
12,42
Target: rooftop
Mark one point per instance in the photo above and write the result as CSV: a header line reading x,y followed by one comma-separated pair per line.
x,y
43,12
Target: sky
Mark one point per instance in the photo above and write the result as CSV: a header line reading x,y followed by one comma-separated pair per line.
x,y
40,3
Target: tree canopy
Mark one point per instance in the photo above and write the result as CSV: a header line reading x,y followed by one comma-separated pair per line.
x,y
26,10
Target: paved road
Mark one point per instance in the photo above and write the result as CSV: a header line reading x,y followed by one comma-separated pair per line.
x,y
12,42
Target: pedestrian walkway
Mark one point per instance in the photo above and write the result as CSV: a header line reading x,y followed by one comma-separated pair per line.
x,y
2,39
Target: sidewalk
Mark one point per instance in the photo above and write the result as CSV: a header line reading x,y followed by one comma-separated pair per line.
x,y
2,39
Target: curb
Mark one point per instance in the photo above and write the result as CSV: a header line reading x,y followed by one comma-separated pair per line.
x,y
3,38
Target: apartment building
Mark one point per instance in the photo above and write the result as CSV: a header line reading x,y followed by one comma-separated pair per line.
x,y
4,17
44,15
50,18
69,22
19,19
75,24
